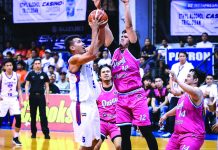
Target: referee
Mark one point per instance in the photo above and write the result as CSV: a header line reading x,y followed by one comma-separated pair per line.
x,y
38,82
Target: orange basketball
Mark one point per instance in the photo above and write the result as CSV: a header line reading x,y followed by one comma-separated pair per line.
x,y
96,13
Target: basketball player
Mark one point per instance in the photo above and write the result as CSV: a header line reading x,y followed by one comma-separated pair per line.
x,y
84,88
189,128
106,105
132,105
10,89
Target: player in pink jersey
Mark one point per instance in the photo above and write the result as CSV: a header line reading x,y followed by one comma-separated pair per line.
x,y
132,105
107,104
189,130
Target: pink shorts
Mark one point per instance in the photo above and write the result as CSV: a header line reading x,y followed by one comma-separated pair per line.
x,y
132,108
184,142
109,129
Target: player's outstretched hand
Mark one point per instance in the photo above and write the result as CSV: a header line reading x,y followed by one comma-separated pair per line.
x,y
125,1
97,3
173,76
162,119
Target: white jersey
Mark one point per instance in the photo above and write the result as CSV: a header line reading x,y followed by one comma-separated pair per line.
x,y
9,85
83,84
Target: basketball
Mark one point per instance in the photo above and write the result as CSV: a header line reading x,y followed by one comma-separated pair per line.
x,y
96,13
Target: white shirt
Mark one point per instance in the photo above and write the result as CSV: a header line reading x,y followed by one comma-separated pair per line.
x,y
63,86
46,63
163,50
211,89
11,49
181,72
104,61
206,44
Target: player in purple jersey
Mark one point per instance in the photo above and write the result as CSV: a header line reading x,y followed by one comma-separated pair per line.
x,y
106,102
189,130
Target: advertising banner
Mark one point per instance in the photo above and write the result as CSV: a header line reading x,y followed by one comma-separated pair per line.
x,y
38,11
58,114
196,56
194,17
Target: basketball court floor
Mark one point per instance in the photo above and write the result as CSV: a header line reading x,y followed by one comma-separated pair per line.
x,y
65,141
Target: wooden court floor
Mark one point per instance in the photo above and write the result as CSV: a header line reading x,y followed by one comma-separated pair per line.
x,y
64,141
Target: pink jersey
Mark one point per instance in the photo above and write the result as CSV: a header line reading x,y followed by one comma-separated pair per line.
x,y
125,70
189,118
107,104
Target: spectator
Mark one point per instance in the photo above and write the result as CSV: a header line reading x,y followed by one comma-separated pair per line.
x,y
32,47
146,80
190,42
53,89
144,66
48,60
21,51
42,51
59,62
96,68
210,93
204,43
213,107
163,49
159,102
105,58
51,70
63,84
181,43
9,48
30,60
148,50
21,72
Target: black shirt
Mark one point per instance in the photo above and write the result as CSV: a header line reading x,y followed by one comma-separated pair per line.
x,y
53,89
37,81
134,48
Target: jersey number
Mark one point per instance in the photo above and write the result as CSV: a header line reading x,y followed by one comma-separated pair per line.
x,y
142,117
83,139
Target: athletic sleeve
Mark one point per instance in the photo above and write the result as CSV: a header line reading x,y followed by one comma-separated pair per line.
x,y
113,46
134,49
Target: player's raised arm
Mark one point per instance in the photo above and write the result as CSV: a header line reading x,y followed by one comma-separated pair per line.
x,y
128,22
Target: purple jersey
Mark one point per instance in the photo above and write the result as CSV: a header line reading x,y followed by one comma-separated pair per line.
x,y
160,94
189,118
107,104
125,71
148,92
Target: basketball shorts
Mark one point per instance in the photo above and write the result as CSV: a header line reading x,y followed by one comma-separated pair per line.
x,y
110,129
89,128
11,104
132,108
184,142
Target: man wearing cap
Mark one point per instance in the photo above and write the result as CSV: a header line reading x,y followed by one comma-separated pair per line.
x,y
47,60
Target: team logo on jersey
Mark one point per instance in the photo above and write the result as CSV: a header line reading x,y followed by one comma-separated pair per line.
x,y
41,77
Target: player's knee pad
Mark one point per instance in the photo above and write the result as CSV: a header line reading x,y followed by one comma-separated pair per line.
x,y
18,121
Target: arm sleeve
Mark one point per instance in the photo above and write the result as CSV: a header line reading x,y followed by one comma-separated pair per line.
x,y
113,46
134,49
